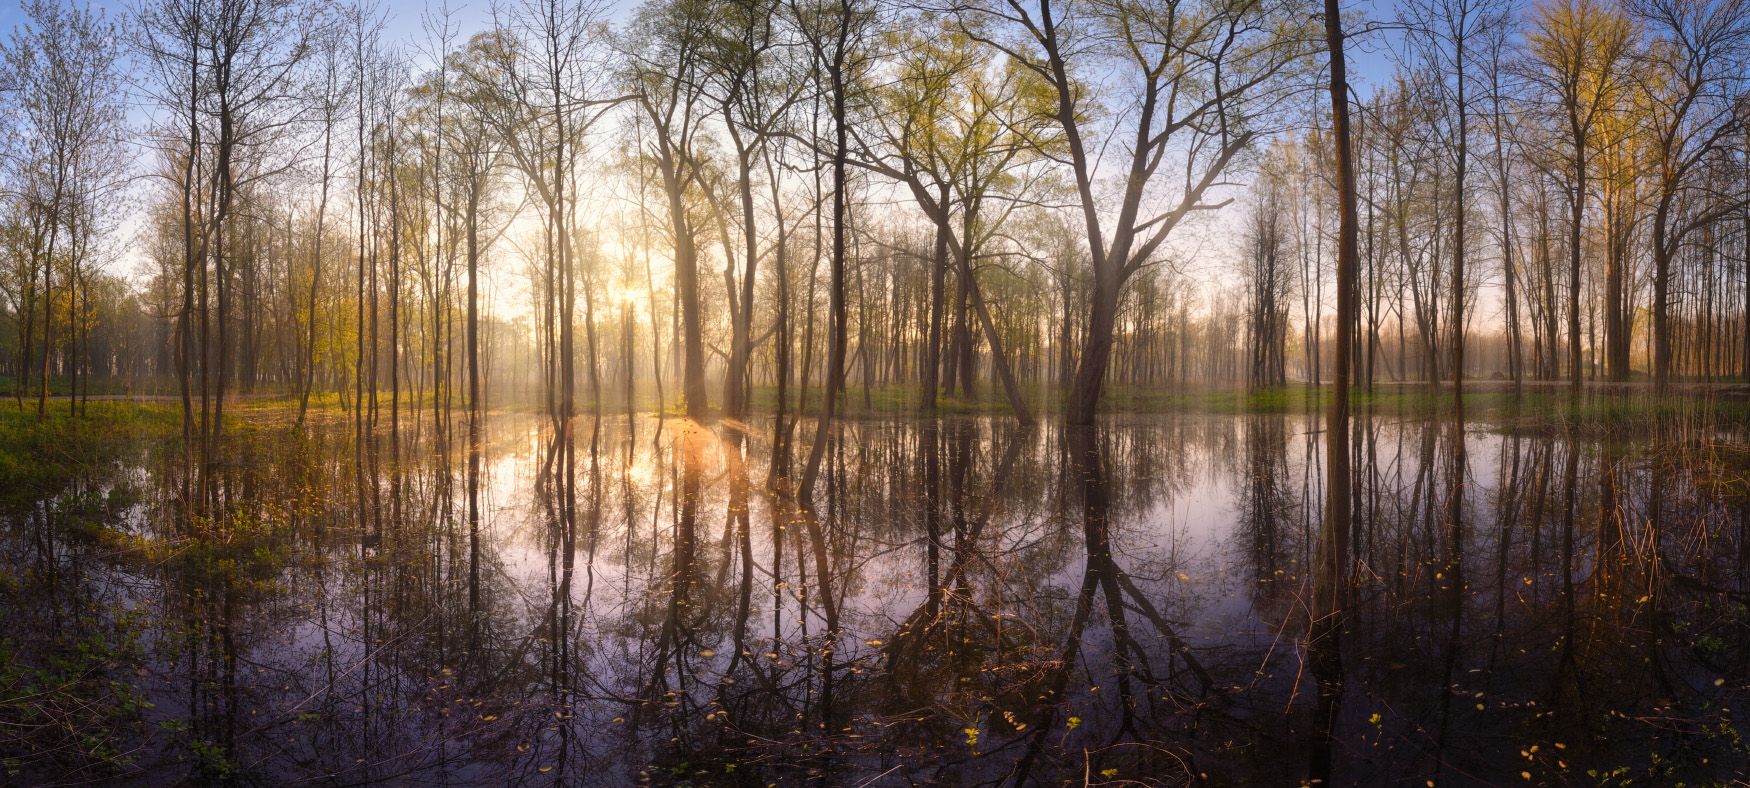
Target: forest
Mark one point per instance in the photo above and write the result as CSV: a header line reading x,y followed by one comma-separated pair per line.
x,y
874,392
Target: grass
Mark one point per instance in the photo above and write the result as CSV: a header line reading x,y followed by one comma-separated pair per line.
x,y
38,458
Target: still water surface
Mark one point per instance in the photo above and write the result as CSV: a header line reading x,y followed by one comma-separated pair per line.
x,y
1121,605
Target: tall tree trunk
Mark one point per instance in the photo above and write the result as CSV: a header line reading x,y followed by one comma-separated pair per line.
x,y
1616,330
1509,275
835,364
473,220
779,466
1661,301
53,219
1577,206
1330,597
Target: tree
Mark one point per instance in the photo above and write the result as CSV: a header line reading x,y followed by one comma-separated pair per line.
x,y
475,163
333,88
666,72
1575,51
63,66
960,136
1209,78
1445,31
230,74
835,38
1693,78
1265,251
1495,49
1331,571
757,83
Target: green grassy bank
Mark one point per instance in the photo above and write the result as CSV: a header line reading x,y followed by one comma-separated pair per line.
x,y
39,456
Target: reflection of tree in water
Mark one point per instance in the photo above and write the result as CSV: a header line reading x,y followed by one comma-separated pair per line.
x,y
1268,508
1012,606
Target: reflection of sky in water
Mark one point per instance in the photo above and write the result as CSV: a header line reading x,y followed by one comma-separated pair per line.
x,y
338,650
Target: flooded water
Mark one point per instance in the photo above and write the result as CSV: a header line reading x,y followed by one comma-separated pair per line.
x,y
964,603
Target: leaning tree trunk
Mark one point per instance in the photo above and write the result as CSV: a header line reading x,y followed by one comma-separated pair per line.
x,y
998,360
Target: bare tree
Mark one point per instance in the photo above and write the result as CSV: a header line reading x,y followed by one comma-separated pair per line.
x,y
667,73
1692,78
63,68
1575,53
1209,78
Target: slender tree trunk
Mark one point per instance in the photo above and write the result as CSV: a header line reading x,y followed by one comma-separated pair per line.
x,y
835,365
780,462
1661,301
1576,226
42,402
932,365
474,414
316,273
735,379
1509,275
